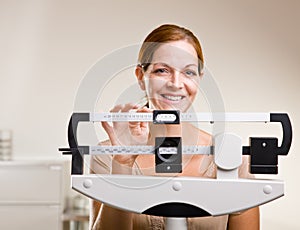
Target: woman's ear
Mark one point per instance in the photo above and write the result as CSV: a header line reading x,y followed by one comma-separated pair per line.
x,y
201,75
140,77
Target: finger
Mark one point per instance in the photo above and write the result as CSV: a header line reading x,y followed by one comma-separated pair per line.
x,y
144,110
116,109
110,132
128,107
140,110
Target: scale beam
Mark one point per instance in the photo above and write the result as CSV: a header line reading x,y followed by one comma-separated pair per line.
x,y
184,117
263,151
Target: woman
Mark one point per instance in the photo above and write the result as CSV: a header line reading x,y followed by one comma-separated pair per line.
x,y
169,71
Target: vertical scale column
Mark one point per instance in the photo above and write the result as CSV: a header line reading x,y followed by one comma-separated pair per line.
x,y
227,155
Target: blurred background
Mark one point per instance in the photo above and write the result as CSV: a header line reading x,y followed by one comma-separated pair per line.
x,y
251,48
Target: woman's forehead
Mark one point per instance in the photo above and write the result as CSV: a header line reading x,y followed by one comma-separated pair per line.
x,y
178,53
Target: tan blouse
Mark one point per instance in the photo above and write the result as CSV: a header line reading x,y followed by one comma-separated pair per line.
x,y
102,165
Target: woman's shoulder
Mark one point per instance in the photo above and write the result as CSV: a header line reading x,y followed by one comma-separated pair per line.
x,y
104,142
101,164
198,136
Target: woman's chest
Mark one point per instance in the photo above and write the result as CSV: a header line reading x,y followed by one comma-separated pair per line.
x,y
190,166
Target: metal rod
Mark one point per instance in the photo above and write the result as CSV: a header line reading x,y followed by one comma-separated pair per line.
x,y
184,117
145,149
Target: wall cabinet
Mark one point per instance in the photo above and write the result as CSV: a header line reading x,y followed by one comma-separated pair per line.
x,y
31,195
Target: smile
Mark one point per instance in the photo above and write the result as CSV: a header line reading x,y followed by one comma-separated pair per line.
x,y
172,98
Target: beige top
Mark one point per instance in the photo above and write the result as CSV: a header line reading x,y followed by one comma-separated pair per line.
x,y
102,165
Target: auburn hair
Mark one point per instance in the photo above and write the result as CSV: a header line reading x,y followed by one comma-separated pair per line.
x,y
164,34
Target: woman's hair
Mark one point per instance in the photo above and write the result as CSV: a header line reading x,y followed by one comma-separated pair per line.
x,y
164,34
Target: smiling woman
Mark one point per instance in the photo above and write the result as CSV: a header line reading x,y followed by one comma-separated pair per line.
x,y
171,82
169,71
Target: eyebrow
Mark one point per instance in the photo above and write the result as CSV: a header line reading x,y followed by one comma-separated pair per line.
x,y
196,65
166,65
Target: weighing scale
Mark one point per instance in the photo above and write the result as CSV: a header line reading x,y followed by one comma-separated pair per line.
x,y
179,197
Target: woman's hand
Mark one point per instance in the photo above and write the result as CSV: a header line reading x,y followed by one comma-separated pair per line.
x,y
127,133
139,131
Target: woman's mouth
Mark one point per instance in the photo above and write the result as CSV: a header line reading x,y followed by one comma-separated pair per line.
x,y
172,97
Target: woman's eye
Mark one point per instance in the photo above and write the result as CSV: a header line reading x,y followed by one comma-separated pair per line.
x,y
190,73
161,71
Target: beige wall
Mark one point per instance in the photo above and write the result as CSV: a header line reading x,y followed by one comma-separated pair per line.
x,y
251,47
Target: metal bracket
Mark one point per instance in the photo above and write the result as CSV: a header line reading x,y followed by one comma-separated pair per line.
x,y
168,155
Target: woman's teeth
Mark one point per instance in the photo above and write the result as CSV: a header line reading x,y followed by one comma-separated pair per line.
x,y
172,98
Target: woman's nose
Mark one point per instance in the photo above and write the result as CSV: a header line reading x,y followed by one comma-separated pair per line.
x,y
176,79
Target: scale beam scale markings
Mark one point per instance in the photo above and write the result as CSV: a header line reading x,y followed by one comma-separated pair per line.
x,y
184,117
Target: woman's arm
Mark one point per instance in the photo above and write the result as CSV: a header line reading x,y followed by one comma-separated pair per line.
x,y
132,133
247,220
106,217
95,207
114,219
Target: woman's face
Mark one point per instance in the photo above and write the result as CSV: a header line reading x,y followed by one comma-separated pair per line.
x,y
171,80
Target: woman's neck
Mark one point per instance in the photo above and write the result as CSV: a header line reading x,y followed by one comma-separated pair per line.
x,y
161,130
